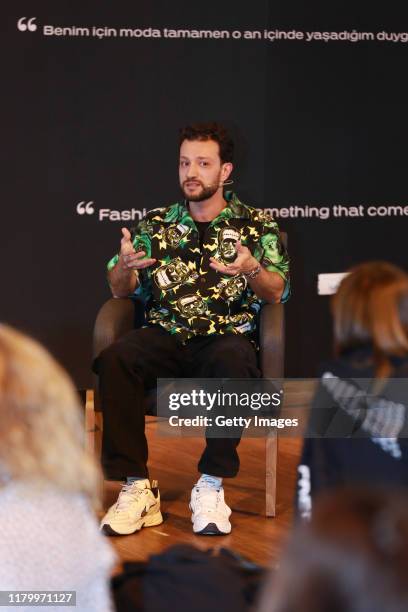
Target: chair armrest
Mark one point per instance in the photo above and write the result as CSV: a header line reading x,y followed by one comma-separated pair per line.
x,y
271,340
115,318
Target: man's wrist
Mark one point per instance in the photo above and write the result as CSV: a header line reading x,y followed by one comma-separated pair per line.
x,y
253,270
250,266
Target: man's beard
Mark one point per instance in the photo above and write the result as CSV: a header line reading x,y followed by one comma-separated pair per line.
x,y
205,193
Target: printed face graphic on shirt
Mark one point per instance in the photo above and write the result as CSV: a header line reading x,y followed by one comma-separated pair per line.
x,y
272,249
241,322
172,274
191,306
227,239
175,233
232,288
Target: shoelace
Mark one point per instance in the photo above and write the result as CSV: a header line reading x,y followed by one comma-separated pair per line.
x,y
128,494
207,500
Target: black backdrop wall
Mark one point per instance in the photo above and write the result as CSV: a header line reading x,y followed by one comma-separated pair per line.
x,y
93,96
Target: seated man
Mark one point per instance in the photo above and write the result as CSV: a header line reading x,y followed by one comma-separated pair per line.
x,y
204,265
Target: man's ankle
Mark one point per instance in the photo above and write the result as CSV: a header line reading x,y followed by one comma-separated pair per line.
x,y
207,480
130,479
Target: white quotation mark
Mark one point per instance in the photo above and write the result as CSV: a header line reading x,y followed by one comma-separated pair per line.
x,y
30,25
85,208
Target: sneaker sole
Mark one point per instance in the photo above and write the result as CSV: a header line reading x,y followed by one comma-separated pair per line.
x,y
147,521
212,529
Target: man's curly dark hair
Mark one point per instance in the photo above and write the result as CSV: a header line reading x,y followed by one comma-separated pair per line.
x,y
210,131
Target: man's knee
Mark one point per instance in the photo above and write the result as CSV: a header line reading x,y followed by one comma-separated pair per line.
x,y
235,347
234,354
117,356
109,356
130,348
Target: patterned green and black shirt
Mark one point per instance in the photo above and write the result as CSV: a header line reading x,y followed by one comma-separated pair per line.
x,y
183,293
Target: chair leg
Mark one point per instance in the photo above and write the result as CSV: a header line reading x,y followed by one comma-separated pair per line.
x,y
271,447
98,435
93,426
89,422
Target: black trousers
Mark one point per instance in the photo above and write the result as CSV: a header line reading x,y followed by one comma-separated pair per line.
x,y
130,367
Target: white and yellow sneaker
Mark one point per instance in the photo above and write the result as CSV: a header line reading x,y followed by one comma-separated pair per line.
x,y
137,506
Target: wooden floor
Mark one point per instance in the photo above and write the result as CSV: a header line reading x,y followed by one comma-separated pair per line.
x,y
173,463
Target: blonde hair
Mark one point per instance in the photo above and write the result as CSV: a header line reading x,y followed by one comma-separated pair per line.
x,y
42,437
371,307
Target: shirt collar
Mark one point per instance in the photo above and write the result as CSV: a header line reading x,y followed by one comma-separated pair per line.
x,y
234,209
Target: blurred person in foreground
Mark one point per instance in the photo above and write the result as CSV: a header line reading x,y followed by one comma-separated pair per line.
x,y
49,484
358,424
351,557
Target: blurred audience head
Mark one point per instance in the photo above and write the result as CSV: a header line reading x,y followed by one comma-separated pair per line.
x,y
42,428
370,308
351,557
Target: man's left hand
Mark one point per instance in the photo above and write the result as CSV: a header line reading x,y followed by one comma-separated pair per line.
x,y
243,264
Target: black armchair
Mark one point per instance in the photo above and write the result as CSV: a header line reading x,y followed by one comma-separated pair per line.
x,y
119,315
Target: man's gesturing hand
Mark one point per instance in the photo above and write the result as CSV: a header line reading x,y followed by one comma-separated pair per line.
x,y
129,258
243,264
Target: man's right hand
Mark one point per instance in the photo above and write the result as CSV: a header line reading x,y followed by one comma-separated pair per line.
x,y
129,259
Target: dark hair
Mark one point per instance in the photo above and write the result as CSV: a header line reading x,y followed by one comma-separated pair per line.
x,y
210,131
371,307
351,557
